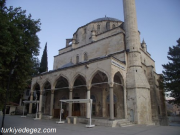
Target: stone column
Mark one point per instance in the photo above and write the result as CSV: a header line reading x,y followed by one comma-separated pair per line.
x,y
88,104
111,102
20,102
52,102
125,105
104,102
30,105
70,104
40,104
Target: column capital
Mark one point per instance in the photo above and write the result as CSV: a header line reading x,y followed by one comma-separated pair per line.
x,y
41,92
111,84
88,87
70,89
52,91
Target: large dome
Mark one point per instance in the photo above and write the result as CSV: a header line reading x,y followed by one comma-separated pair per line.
x,y
106,19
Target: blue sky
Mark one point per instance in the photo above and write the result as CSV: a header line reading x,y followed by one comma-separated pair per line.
x,y
158,22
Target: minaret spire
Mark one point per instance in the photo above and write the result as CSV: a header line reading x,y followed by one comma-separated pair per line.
x,y
143,41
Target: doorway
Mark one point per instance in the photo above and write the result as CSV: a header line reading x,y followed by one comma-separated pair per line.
x,y
76,108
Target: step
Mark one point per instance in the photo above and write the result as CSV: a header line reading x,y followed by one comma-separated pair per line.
x,y
124,123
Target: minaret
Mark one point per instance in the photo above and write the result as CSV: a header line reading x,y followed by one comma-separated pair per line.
x,y
138,89
144,46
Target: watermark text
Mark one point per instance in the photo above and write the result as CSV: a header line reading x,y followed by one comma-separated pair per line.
x,y
27,130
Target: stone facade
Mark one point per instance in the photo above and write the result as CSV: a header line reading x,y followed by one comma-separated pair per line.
x,y
106,62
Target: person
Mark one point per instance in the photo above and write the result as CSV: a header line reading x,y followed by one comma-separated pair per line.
x,y
62,113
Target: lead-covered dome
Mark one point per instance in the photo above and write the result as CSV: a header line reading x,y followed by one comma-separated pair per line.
x,y
106,19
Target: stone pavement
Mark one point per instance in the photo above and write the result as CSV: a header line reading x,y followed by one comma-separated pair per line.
x,y
80,129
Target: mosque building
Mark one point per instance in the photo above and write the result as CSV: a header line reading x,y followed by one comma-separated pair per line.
x,y
106,62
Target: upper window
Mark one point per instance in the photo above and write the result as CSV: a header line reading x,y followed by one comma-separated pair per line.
x,y
108,25
98,28
113,26
85,57
77,59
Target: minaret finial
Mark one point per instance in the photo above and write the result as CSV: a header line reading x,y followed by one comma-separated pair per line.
x,y
143,41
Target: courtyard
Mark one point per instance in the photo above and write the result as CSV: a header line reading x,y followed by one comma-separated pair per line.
x,y
80,129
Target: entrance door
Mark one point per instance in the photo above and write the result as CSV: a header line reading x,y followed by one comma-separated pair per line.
x,y
76,108
131,115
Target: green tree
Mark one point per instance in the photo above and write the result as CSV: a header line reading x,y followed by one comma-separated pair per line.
x,y
44,62
172,72
36,66
19,46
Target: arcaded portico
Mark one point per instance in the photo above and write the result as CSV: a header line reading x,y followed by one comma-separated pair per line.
x,y
106,90
106,62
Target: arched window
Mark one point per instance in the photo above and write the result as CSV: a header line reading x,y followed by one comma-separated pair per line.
x,y
113,26
108,98
77,59
93,98
85,57
108,26
98,28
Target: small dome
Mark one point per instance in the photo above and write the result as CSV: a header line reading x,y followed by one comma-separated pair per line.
x,y
106,19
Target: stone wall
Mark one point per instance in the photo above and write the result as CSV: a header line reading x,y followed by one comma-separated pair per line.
x,y
97,49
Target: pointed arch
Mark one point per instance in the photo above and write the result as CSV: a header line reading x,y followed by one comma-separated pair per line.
x,y
118,78
61,82
36,91
36,86
104,76
79,80
75,77
46,84
60,76
77,58
85,56
119,92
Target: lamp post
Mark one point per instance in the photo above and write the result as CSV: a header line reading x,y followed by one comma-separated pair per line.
x,y
4,109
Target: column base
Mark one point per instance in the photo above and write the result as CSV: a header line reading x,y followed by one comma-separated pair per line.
x,y
111,119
